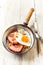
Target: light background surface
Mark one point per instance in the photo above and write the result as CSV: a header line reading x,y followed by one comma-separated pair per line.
x,y
14,12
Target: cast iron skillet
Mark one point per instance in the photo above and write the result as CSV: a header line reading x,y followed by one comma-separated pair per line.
x,y
12,28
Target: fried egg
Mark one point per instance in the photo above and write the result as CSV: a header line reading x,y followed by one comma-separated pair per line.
x,y
24,39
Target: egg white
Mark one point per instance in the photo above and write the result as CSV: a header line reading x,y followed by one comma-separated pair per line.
x,y
18,39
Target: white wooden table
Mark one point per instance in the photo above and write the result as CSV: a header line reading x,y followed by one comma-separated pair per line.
x,y
11,13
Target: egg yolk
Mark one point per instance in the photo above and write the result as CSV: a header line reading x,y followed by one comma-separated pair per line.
x,y
24,38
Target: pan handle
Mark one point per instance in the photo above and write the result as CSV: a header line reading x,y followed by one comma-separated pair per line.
x,y
28,16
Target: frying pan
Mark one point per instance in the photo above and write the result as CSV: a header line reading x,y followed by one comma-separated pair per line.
x,y
20,26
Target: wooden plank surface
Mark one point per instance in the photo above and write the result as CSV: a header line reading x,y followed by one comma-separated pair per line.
x,y
11,13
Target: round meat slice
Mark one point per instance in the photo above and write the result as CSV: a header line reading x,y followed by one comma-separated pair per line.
x,y
15,48
12,37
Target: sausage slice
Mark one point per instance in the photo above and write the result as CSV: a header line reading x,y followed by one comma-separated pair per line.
x,y
15,48
12,38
